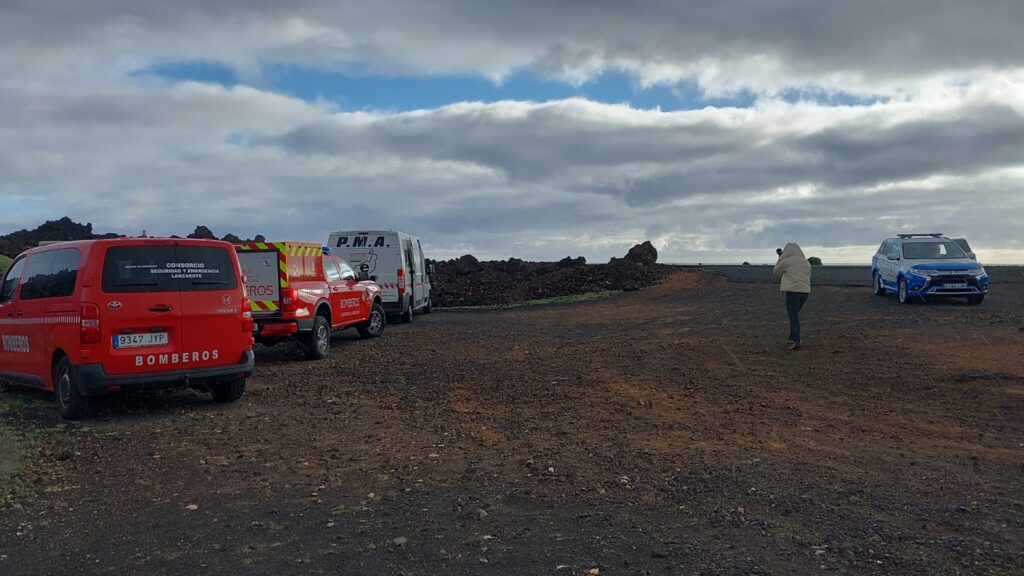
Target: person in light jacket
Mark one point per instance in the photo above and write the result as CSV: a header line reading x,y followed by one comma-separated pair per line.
x,y
795,272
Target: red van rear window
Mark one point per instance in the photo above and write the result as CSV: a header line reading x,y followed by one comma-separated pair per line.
x,y
168,269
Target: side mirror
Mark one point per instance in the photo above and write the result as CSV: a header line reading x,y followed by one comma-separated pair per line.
x,y
972,255
891,257
363,276
430,269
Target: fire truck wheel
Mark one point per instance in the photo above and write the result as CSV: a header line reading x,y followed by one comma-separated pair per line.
x,y
71,404
375,325
407,315
317,344
230,391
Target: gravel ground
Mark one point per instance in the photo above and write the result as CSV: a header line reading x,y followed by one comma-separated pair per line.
x,y
665,431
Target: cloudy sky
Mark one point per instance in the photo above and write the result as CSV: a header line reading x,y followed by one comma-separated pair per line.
x,y
535,128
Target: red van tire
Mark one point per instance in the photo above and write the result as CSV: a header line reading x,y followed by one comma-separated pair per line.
x,y
225,392
317,344
71,404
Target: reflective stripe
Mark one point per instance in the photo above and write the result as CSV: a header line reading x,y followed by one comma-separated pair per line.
x,y
268,306
46,320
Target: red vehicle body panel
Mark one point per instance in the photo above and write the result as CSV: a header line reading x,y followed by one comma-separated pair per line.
x,y
289,283
143,322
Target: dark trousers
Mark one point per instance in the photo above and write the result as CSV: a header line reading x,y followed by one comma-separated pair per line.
x,y
794,302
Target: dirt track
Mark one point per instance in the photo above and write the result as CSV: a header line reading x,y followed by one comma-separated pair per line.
x,y
665,431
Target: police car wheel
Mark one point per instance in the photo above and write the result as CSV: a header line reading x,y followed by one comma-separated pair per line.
x,y
374,326
903,296
225,392
317,344
71,404
877,287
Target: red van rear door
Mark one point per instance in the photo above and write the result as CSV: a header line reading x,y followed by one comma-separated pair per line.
x,y
140,309
211,301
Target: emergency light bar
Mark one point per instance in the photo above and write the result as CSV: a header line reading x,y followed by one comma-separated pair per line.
x,y
929,234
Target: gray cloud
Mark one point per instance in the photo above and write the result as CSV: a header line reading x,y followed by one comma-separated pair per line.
x,y
875,45
80,135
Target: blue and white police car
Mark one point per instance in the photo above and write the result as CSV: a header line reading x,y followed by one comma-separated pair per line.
x,y
926,265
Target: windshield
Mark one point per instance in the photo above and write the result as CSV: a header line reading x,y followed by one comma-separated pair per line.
x,y
932,250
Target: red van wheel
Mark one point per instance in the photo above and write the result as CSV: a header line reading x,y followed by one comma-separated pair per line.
x,y
71,404
229,391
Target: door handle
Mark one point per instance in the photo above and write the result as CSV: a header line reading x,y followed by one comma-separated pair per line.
x,y
161,308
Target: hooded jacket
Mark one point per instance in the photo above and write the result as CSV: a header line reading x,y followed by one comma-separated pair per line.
x,y
794,270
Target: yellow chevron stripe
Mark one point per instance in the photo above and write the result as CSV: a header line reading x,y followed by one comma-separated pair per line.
x,y
245,247
254,305
272,306
261,245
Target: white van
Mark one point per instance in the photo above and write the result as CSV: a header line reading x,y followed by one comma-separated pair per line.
x,y
395,261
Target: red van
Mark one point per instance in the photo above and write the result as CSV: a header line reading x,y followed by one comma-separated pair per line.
x,y
97,316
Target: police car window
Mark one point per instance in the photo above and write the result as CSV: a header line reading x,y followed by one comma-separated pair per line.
x,y
347,273
934,250
51,274
168,269
11,281
331,270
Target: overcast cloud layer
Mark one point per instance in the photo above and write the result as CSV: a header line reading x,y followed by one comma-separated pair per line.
x,y
941,148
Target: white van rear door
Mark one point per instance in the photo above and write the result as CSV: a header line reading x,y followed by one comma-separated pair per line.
x,y
376,253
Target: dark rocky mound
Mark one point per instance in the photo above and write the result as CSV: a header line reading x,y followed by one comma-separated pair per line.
x,y
466,281
65,229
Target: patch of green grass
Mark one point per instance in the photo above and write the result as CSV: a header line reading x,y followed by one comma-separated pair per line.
x,y
29,448
570,299
12,403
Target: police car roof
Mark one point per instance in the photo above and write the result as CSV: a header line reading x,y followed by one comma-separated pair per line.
x,y
927,238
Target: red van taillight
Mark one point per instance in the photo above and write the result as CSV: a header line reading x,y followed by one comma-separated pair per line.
x,y
89,325
401,280
247,324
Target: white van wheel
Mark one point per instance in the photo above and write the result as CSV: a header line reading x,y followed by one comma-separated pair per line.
x,y
407,315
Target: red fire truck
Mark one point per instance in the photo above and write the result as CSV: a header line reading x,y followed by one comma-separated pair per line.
x,y
297,291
